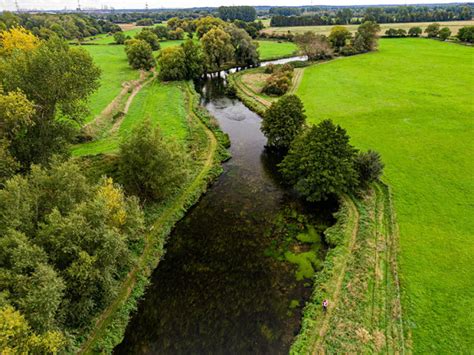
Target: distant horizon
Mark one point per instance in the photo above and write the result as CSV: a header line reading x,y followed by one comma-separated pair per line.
x,y
71,5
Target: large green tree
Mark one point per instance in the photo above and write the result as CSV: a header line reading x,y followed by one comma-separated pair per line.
x,y
283,121
139,54
365,39
57,79
149,37
339,36
171,62
320,162
152,167
217,47
245,49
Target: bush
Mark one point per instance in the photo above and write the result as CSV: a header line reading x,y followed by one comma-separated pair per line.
x,y
444,33
139,54
149,37
432,31
280,81
283,121
316,47
320,162
415,31
369,167
151,167
172,64
466,34
119,37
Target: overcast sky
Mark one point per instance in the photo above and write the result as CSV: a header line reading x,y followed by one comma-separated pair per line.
x,y
124,4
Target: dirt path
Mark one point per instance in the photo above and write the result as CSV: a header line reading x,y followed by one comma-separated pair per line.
x,y
333,302
178,204
297,77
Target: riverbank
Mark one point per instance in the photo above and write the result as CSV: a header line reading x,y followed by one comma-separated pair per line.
x,y
110,326
360,273
360,281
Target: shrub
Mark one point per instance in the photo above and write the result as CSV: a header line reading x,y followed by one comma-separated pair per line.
x,y
280,81
139,54
466,34
415,31
119,37
314,46
320,162
149,37
369,167
172,64
283,121
444,33
432,31
151,167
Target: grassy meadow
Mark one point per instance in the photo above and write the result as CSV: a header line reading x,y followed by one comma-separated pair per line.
x,y
412,101
325,30
115,70
162,103
272,49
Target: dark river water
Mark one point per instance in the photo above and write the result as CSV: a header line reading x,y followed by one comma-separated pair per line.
x,y
217,290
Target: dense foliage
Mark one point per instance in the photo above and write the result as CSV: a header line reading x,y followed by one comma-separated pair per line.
x,y
326,15
244,13
283,121
139,54
369,167
280,80
44,85
466,34
315,46
320,162
68,26
339,36
149,37
65,245
151,167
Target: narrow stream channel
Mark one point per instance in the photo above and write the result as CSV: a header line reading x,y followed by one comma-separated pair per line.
x,y
217,290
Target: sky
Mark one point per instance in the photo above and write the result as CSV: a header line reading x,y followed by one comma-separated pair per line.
x,y
126,4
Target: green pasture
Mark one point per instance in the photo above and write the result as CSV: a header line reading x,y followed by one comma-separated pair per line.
x,y
274,50
162,103
413,102
115,70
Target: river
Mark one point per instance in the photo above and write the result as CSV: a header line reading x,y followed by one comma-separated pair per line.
x,y
221,287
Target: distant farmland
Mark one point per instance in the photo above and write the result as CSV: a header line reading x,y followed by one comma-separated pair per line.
x,y
453,25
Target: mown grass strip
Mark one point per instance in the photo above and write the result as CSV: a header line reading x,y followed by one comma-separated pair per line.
x,y
360,280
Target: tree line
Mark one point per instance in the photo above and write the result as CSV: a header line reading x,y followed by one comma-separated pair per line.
x,y
220,44
68,26
356,15
244,13
67,239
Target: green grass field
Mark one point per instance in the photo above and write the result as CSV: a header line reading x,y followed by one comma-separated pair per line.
x,y
412,101
115,70
162,103
453,25
273,49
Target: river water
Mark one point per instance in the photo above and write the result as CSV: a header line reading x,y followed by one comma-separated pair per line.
x,y
218,290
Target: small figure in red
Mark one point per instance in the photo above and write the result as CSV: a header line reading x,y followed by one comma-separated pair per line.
x,y
325,306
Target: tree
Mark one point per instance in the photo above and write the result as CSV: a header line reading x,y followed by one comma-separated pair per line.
x,y
119,37
150,166
444,33
171,62
205,24
161,32
432,30
17,38
339,36
149,37
320,162
245,50
466,34
139,54
283,121
244,13
217,47
58,79
193,59
391,32
365,39
415,31
177,34
316,47
369,167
